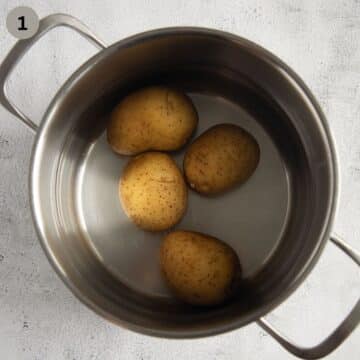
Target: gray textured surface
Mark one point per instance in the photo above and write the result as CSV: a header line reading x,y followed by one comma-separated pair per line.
x,y
39,318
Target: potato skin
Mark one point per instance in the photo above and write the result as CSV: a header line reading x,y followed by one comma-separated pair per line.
x,y
220,158
153,118
153,192
200,269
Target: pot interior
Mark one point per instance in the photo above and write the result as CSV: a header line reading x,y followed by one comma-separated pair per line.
x,y
277,221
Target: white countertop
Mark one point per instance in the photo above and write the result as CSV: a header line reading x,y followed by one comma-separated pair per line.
x,y
39,317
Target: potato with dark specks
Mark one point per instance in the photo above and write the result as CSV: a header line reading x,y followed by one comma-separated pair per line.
x,y
153,118
220,158
153,192
200,269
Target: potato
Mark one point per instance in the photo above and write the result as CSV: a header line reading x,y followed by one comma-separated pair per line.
x,y
153,118
153,192
200,269
220,158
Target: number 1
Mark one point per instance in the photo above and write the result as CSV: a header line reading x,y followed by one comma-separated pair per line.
x,y
22,23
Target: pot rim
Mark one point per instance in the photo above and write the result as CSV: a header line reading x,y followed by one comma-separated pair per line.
x,y
251,47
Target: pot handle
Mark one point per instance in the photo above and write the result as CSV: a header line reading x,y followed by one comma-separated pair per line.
x,y
22,46
336,337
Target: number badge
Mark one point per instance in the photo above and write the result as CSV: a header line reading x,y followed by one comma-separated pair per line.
x,y
22,22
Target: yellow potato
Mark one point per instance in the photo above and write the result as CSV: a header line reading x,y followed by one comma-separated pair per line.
x,y
220,158
153,192
200,269
153,118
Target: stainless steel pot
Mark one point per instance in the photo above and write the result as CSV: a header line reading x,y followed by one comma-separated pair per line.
x,y
281,219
